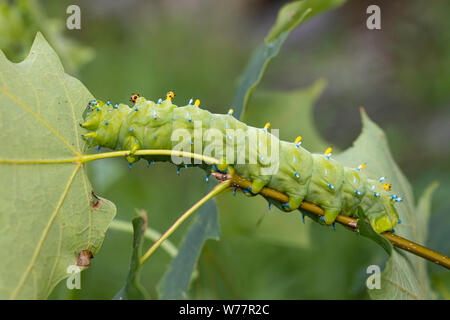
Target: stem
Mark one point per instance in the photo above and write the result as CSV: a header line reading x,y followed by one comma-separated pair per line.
x,y
124,153
217,189
397,241
155,152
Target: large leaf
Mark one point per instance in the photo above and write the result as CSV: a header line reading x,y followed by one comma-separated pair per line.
x,y
133,289
48,213
405,275
289,16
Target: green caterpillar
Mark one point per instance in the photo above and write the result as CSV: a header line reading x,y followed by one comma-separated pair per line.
x,y
303,176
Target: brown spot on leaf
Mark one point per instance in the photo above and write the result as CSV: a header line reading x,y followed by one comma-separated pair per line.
x,y
96,201
84,258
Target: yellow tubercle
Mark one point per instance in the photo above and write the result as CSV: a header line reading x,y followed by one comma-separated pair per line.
x,y
298,139
267,126
361,166
387,186
230,112
170,95
197,102
328,151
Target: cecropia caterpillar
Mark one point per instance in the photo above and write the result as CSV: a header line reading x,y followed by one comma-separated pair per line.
x,y
253,153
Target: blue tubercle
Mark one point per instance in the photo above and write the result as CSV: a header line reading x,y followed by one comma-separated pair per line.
x,y
178,171
234,191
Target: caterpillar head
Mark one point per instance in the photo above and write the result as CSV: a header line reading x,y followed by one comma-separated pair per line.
x,y
103,120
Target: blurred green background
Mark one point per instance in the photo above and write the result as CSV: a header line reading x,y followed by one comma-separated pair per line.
x,y
198,48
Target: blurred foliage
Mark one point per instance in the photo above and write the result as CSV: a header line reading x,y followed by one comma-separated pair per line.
x,y
289,16
19,22
400,75
133,290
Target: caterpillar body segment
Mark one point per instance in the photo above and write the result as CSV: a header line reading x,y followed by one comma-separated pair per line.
x,y
316,178
325,186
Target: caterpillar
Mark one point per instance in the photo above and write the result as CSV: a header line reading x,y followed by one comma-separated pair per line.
x,y
246,150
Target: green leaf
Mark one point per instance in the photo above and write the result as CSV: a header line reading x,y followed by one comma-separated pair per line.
x,y
48,212
133,290
176,281
289,16
405,275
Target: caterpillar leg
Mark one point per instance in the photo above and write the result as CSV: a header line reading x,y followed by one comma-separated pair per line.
x,y
293,203
330,216
222,167
133,146
257,186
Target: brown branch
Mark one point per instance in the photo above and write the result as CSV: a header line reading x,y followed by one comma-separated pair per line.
x,y
397,241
